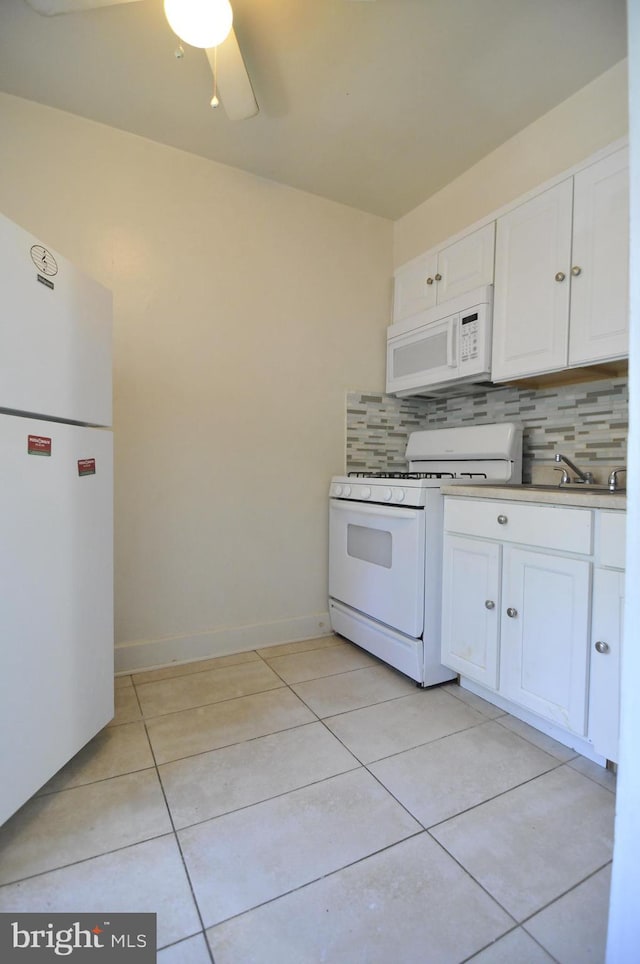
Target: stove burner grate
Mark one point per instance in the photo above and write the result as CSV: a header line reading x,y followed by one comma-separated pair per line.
x,y
417,475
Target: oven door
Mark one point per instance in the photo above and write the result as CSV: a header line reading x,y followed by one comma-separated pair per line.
x,y
377,562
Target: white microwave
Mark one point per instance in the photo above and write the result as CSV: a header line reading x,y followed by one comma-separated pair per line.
x,y
436,351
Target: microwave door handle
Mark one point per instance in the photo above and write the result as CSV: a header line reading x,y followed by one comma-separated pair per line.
x,y
452,351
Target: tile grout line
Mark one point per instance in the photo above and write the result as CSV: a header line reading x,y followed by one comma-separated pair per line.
x,y
199,706
496,796
564,893
310,883
178,845
512,930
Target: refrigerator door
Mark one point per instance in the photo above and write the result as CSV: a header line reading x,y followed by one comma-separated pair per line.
x,y
56,609
55,333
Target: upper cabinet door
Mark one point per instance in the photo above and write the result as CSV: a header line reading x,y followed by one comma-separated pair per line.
x,y
415,286
442,274
532,284
600,262
466,264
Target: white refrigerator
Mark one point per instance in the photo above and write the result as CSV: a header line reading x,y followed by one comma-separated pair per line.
x,y
56,513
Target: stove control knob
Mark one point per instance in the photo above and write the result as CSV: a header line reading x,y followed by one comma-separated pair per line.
x,y
386,495
347,490
337,491
398,495
366,492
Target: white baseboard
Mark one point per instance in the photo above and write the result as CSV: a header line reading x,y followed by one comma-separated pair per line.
x,y
153,653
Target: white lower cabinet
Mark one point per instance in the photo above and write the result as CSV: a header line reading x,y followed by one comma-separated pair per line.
x,y
522,620
471,576
604,684
544,632
606,635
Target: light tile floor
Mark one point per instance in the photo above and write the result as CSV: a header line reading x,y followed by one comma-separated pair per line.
x,y
305,803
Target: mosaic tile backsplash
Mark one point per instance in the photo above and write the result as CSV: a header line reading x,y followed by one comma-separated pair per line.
x,y
586,422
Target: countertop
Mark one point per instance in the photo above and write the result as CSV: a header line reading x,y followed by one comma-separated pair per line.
x,y
591,498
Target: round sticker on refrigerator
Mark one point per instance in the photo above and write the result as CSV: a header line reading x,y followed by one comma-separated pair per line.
x,y
44,260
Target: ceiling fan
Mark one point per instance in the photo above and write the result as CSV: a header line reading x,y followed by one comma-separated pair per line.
x,y
230,77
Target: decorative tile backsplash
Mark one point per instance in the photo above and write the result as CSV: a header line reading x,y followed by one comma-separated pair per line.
x,y
587,422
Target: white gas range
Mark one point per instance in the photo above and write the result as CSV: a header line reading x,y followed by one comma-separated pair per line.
x,y
385,542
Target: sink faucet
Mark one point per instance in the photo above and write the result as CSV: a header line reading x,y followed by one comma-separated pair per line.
x,y
585,477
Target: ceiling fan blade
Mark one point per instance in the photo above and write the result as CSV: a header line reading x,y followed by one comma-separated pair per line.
x,y
234,86
51,8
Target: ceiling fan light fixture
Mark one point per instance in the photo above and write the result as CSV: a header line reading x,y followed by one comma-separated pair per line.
x,y
200,23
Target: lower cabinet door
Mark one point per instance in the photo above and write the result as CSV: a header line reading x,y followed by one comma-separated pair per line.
x,y
544,635
604,683
471,608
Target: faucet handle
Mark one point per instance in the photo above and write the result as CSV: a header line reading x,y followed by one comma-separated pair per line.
x,y
565,478
613,478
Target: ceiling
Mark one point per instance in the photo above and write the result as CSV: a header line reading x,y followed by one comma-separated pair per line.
x,y
373,104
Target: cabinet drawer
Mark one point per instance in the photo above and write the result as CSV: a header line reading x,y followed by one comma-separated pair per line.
x,y
612,539
546,526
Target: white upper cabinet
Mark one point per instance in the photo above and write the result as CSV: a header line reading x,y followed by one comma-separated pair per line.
x,y
414,288
599,326
561,278
466,264
444,273
531,295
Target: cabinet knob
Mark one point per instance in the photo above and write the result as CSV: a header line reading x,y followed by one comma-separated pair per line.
x,y
560,276
511,612
602,647
429,281
489,604
438,277
576,270
502,520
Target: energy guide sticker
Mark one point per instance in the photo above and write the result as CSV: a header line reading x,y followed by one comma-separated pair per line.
x,y
86,467
38,445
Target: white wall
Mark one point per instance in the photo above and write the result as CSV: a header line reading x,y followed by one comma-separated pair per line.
x,y
592,118
623,944
243,312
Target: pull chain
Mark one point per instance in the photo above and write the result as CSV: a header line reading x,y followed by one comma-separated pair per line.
x,y
214,100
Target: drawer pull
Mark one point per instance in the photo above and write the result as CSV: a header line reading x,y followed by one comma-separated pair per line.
x,y
511,612
489,604
502,520
602,647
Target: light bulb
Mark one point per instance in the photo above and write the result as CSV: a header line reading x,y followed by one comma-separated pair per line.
x,y
200,23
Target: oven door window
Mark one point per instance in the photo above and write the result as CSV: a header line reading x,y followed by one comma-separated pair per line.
x,y
370,545
376,562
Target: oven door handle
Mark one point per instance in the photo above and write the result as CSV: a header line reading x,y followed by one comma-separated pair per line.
x,y
380,513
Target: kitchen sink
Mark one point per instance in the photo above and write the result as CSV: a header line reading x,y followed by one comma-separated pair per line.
x,y
573,489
